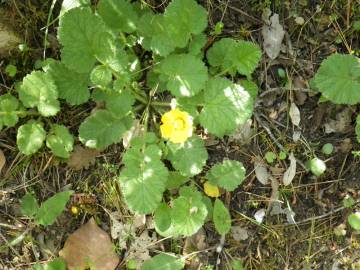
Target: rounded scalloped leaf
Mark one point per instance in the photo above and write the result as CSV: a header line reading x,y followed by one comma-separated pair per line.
x,y
143,179
188,215
338,79
221,217
60,141
71,85
231,55
185,74
30,137
8,106
189,157
119,15
101,75
83,35
228,175
226,106
38,90
102,129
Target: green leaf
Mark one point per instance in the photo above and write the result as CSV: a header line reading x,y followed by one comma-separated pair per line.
x,y
354,220
251,87
227,105
143,179
30,137
60,141
11,70
155,34
38,90
161,218
102,129
8,106
189,157
228,175
197,44
83,35
56,264
184,73
70,4
338,79
237,265
115,58
101,75
52,208
221,217
71,85
29,205
175,180
119,15
317,166
357,127
270,157
188,214
163,262
231,55
120,103
183,18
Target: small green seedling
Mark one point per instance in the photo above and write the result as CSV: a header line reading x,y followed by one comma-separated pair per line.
x,y
131,264
317,166
56,264
354,221
282,155
270,157
327,149
348,201
218,28
11,70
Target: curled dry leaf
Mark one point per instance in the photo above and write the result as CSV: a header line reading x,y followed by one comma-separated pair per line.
x,y
342,124
259,215
141,246
89,247
261,171
82,157
294,114
2,160
291,171
273,35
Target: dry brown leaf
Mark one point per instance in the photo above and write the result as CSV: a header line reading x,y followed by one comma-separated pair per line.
x,y
291,171
89,247
82,157
294,113
2,160
141,246
273,35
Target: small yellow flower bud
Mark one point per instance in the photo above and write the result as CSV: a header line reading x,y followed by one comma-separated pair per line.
x,y
74,210
211,190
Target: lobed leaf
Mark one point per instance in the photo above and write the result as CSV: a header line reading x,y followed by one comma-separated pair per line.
x,y
185,74
30,137
228,175
338,79
163,262
227,105
143,179
103,128
39,90
8,115
189,157
60,141
71,85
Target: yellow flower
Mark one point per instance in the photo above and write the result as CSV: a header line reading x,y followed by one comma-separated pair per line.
x,y
211,190
74,210
176,126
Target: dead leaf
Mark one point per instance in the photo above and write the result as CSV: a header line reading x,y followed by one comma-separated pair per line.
x,y
239,233
243,133
259,215
341,124
273,35
296,136
346,145
141,246
261,171
82,157
294,113
291,171
89,247
195,242
2,160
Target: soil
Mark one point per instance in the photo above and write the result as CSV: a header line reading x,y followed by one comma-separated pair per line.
x,y
277,243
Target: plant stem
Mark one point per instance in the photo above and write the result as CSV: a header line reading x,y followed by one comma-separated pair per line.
x,y
160,104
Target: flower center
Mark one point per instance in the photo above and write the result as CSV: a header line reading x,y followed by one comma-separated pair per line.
x,y
179,123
